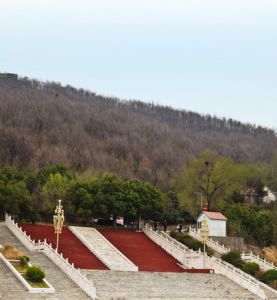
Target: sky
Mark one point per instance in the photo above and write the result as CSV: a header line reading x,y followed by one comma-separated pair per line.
x,y
208,56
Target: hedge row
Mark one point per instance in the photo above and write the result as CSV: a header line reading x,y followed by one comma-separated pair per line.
x,y
234,258
190,242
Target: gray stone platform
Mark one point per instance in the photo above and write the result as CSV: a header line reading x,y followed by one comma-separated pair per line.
x,y
152,285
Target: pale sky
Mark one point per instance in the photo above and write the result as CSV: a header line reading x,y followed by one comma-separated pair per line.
x,y
217,57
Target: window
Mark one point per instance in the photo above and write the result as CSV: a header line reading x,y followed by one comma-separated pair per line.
x,y
199,225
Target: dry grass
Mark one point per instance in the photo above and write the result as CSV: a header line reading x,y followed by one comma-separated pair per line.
x,y
271,254
273,284
10,252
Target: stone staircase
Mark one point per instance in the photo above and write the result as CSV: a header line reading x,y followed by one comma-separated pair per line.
x,y
103,249
12,289
120,285
151,285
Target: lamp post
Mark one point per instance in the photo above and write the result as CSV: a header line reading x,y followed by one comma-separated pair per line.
x,y
201,197
204,232
58,221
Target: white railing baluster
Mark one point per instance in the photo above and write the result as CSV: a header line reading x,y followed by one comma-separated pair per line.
x,y
195,259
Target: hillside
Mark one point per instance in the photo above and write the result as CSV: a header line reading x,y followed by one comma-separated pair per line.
x,y
44,123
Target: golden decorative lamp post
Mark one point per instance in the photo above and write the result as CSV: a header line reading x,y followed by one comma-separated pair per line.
x,y
58,221
204,232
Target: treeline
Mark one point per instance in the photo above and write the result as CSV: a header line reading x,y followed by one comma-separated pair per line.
x,y
227,187
30,195
44,123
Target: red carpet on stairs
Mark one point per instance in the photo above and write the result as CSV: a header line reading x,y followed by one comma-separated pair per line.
x,y
71,247
142,251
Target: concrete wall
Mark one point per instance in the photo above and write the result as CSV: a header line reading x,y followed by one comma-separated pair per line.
x,y
237,244
234,243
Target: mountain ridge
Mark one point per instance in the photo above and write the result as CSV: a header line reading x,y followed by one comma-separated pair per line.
x,y
45,123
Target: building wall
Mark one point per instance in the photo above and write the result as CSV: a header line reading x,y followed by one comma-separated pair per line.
x,y
270,196
216,227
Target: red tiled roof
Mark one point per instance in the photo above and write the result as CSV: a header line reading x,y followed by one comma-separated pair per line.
x,y
214,215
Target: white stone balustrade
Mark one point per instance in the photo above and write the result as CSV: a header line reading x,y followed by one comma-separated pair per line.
x,y
210,243
248,257
264,265
74,274
194,259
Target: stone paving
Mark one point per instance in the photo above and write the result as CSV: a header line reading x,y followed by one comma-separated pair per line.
x,y
103,247
152,285
12,289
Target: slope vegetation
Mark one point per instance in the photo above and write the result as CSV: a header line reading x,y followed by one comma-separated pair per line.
x,y
44,123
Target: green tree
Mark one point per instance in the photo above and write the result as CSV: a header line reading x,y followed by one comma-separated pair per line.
x,y
235,197
84,197
253,178
31,182
15,198
261,227
270,172
258,224
260,193
86,206
56,188
22,196
149,202
213,177
45,172
111,194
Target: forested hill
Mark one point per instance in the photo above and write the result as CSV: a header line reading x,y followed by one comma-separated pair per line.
x,y
44,123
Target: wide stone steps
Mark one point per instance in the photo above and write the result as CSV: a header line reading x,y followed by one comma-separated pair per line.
x,y
152,285
12,289
103,249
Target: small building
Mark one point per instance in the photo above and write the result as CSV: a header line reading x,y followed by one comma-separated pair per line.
x,y
250,195
216,222
271,196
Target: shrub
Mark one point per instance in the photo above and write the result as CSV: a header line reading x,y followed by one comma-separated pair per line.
x,y
173,234
27,258
176,235
269,276
232,256
239,263
249,268
35,274
23,261
186,237
196,245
